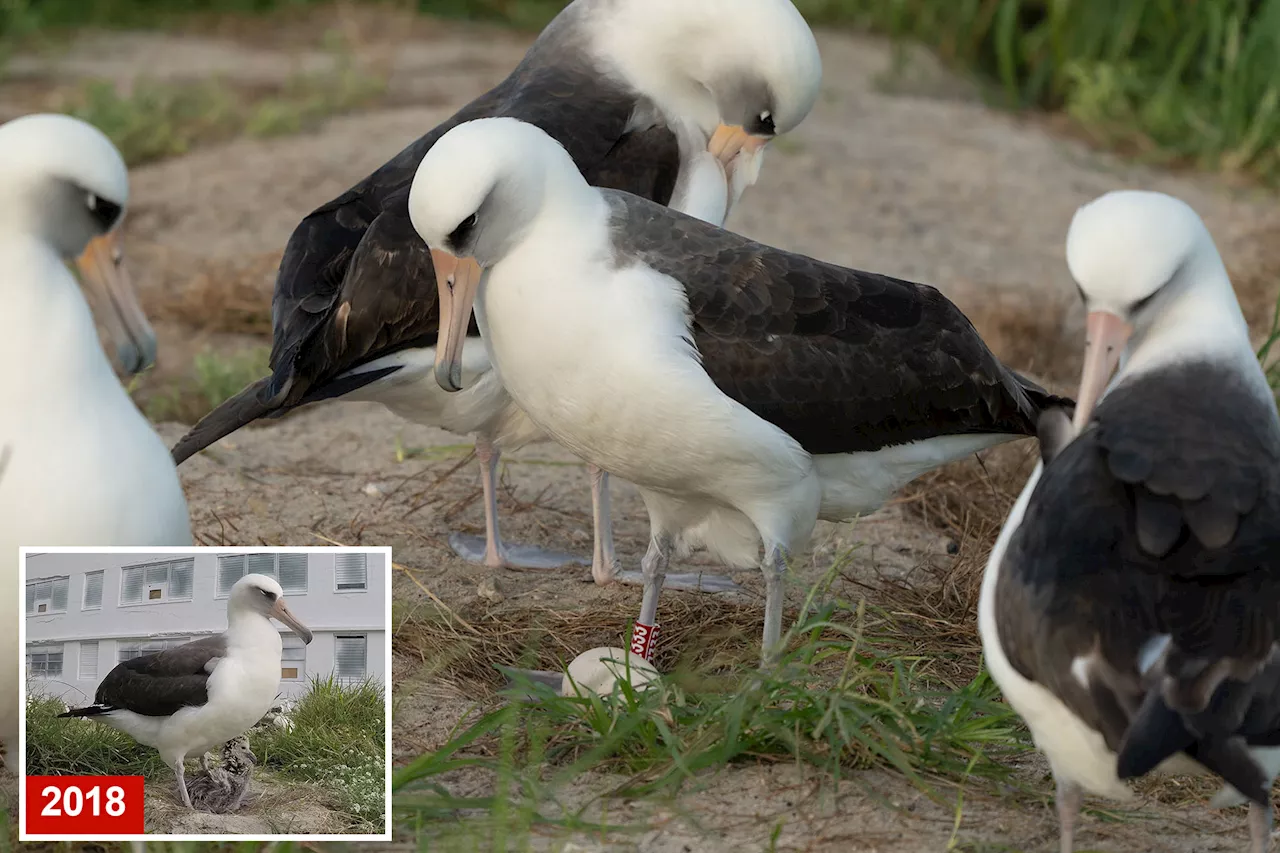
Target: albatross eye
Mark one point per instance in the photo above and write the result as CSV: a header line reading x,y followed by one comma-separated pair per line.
x,y
460,234
104,212
765,125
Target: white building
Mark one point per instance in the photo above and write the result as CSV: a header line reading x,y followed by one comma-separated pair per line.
x,y
87,612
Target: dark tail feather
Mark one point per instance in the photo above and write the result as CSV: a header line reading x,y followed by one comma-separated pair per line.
x,y
345,385
1042,399
244,408
1155,733
1158,732
90,711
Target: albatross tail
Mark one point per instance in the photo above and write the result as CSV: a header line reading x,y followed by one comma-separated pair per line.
x,y
88,711
242,409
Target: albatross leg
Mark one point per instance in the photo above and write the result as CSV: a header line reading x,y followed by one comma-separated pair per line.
x,y
774,569
1069,798
1259,828
604,564
181,773
491,551
654,566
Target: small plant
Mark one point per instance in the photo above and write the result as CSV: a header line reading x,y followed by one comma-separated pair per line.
x,y
840,699
337,742
213,380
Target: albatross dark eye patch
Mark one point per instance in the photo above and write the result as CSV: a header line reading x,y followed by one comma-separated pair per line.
x,y
271,596
105,213
462,232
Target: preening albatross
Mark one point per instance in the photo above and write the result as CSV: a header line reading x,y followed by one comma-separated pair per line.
x,y
1131,605
747,391
83,466
190,699
669,99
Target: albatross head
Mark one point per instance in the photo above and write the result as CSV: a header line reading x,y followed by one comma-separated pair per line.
x,y
474,196
739,71
1134,254
262,595
64,183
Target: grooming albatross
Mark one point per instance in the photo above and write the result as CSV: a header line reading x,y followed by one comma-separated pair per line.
x,y
747,391
185,701
1131,606
669,99
82,466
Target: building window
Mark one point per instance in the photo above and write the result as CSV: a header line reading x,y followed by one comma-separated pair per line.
x,y
47,596
289,570
349,656
44,663
352,572
89,661
92,591
293,658
156,583
130,649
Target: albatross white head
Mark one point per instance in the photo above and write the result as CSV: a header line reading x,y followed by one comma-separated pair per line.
x,y
255,596
739,72
1155,289
65,185
474,197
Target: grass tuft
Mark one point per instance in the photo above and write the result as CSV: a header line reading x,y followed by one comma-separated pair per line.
x,y
155,120
336,744
213,380
337,741
848,694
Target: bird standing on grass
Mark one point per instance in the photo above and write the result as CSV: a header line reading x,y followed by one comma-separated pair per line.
x,y
745,390
670,99
82,465
1131,606
187,700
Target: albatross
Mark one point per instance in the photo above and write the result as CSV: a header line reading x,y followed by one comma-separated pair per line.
x,y
1131,605
745,390
669,99
82,465
187,700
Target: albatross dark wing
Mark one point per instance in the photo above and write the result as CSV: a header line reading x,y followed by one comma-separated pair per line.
x,y
841,360
356,282
159,685
1150,549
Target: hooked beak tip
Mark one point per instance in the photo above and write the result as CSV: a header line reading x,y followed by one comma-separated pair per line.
x,y
449,376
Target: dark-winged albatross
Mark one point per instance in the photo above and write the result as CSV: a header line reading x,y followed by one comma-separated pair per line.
x,y
190,699
746,390
1130,607
668,99
84,467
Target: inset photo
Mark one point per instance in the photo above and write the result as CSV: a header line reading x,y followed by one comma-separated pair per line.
x,y
195,692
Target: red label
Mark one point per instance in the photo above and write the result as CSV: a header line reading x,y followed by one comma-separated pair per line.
x,y
84,806
642,638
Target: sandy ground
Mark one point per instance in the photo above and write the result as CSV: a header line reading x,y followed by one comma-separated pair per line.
x,y
906,173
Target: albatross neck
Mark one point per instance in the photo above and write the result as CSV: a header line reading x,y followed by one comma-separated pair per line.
x,y
52,334
1200,321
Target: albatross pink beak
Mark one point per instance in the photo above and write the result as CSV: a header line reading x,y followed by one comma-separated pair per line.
x,y
1107,336
107,281
730,139
457,279
282,612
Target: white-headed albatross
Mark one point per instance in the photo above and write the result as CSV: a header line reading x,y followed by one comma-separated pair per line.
x,y
83,466
669,99
746,390
190,699
1130,607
